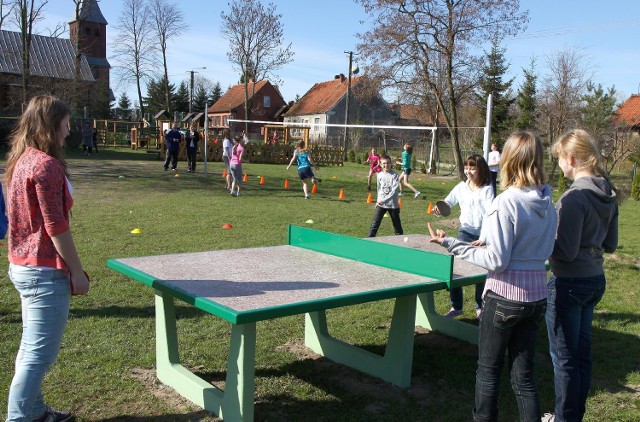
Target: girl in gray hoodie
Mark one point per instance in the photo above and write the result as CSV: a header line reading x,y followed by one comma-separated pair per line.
x,y
519,231
587,228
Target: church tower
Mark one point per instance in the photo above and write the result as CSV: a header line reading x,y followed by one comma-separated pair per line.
x,y
89,32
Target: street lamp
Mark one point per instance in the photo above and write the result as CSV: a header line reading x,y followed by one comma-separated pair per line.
x,y
191,87
346,109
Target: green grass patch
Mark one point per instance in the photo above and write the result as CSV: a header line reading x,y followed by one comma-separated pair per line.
x,y
105,370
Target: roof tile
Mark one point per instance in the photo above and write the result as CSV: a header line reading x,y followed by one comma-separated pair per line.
x,y
234,97
321,97
629,112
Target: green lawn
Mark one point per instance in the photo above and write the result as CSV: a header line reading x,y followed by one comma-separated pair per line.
x,y
105,370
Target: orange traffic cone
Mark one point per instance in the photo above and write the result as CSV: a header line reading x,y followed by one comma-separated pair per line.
x,y
286,183
314,189
369,199
245,178
399,202
341,194
224,173
262,180
430,208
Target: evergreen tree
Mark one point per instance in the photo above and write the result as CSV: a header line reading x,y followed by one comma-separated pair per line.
x,y
200,98
181,100
491,82
123,109
597,108
155,99
216,93
527,102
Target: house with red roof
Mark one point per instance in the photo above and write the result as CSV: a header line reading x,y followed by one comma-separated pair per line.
x,y
265,104
628,114
325,105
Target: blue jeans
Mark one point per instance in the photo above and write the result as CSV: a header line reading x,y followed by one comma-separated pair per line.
x,y
509,327
571,302
455,294
45,297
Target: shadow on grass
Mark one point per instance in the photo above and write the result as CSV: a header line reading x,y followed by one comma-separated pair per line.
x,y
191,416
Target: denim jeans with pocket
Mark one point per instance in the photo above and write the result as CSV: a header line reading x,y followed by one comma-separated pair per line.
x,y
570,307
509,327
456,294
45,295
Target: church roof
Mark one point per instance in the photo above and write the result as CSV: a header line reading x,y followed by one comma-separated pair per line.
x,y
90,12
50,57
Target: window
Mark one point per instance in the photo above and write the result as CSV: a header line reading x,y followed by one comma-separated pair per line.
x,y
316,123
266,101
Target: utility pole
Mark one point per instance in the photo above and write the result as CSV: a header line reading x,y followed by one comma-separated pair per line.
x,y
346,109
192,71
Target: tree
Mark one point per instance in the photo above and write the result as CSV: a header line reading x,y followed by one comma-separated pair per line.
x,y
6,7
28,12
427,46
156,95
182,98
168,22
216,93
124,107
491,82
527,101
569,72
597,108
133,49
256,39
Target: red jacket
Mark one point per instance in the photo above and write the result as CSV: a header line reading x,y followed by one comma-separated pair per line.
x,y
38,201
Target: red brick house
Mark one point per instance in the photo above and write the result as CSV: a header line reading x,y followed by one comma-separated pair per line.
x,y
266,104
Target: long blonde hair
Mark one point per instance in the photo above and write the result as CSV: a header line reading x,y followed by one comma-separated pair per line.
x,y
585,149
37,128
522,161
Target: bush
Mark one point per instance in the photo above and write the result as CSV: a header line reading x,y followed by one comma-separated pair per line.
x,y
352,156
423,168
635,188
562,183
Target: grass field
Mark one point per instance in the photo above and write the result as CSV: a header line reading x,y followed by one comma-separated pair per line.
x,y
105,371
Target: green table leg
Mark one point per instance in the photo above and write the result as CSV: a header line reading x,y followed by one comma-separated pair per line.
x,y
427,317
394,366
235,403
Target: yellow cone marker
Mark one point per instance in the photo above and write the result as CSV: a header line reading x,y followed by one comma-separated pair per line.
x,y
136,231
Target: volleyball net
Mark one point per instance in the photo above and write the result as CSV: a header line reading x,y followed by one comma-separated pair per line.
x,y
431,144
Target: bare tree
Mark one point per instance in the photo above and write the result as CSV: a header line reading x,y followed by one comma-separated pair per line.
x,y
6,7
428,46
256,39
167,22
133,50
568,74
27,12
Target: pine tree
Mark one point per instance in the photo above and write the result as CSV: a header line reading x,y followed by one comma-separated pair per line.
x,y
200,99
181,101
216,93
527,102
123,110
491,82
598,108
155,99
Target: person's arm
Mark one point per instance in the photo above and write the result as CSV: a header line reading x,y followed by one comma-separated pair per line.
x,y
63,243
610,243
295,155
312,162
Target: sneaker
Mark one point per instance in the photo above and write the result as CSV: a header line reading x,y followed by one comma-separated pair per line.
x,y
400,193
453,313
174,169
478,313
51,415
548,417
306,197
417,194
319,180
166,168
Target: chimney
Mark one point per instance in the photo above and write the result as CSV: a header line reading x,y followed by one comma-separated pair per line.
x,y
342,78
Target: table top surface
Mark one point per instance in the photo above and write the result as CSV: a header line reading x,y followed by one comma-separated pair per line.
x,y
251,284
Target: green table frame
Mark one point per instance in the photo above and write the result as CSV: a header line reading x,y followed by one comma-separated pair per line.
x,y
414,305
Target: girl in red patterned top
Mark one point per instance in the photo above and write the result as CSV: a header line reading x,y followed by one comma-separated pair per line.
x,y
44,265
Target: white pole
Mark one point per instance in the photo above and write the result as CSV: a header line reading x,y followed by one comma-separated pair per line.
x,y
487,128
433,143
206,136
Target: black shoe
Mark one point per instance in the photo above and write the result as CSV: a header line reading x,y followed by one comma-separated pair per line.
x,y
319,180
166,168
51,415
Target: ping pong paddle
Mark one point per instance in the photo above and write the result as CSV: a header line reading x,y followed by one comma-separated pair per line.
x,y
444,208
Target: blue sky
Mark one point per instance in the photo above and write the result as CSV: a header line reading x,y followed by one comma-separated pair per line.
x,y
606,33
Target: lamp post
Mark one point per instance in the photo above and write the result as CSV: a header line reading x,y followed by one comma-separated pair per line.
x,y
192,71
346,109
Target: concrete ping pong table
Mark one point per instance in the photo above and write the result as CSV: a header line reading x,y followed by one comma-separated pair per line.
x,y
314,272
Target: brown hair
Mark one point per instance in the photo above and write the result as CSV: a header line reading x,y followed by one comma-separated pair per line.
x,y
37,128
478,161
522,161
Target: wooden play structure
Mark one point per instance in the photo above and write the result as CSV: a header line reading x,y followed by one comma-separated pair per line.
x,y
285,134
